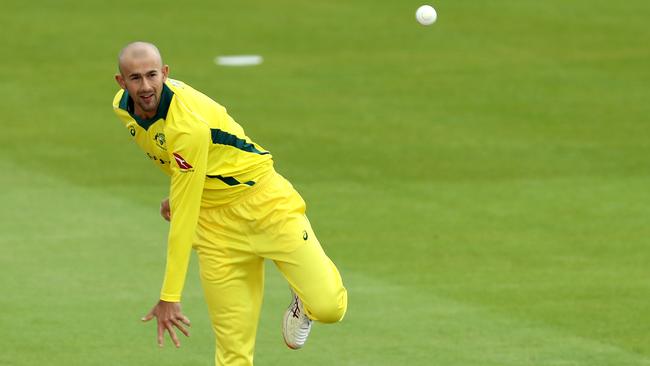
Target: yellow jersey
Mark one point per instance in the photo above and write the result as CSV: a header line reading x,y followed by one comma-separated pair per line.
x,y
206,153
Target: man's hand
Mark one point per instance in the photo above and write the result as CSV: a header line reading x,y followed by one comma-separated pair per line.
x,y
169,315
165,211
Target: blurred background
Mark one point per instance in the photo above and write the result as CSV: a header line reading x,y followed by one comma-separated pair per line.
x,y
482,183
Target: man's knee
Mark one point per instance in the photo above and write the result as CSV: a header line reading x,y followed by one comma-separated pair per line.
x,y
331,310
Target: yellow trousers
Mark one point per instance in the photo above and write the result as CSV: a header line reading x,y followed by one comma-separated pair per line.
x,y
232,242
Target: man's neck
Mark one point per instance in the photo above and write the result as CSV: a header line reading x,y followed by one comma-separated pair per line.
x,y
142,114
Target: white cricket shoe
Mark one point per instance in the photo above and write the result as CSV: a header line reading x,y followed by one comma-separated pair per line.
x,y
296,325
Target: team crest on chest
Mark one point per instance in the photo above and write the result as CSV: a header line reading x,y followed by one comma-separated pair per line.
x,y
160,140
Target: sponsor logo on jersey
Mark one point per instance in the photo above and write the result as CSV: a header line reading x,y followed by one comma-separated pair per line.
x,y
132,130
305,236
155,158
182,163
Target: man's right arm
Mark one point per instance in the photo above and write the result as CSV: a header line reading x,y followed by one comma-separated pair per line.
x,y
188,151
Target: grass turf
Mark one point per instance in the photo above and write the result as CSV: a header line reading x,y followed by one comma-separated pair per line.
x,y
481,183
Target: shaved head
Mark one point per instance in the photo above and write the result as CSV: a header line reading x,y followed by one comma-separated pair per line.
x,y
138,51
142,74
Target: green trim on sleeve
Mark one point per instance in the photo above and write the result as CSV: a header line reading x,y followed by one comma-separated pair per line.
x,y
224,138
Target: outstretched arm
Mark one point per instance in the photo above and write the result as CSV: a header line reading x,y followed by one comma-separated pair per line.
x,y
188,150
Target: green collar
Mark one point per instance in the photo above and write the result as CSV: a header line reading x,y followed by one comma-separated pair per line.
x,y
126,103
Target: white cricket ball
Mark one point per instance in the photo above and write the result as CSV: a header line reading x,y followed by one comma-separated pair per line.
x,y
426,15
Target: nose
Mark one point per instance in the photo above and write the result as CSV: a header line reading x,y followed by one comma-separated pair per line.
x,y
146,84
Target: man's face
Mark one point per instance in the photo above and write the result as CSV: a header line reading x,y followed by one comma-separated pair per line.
x,y
143,78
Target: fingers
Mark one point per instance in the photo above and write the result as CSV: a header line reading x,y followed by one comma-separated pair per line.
x,y
162,326
185,320
180,327
161,332
172,334
147,317
168,316
165,213
165,210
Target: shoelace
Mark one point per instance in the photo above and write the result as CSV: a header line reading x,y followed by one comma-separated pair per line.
x,y
295,312
305,323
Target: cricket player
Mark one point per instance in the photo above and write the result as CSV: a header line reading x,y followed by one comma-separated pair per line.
x,y
228,204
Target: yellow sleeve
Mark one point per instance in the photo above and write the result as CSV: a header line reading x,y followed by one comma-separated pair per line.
x,y
188,146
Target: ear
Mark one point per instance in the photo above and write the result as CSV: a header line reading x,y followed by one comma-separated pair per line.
x,y
165,72
120,81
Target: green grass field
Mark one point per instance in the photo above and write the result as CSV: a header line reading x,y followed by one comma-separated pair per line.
x,y
483,184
